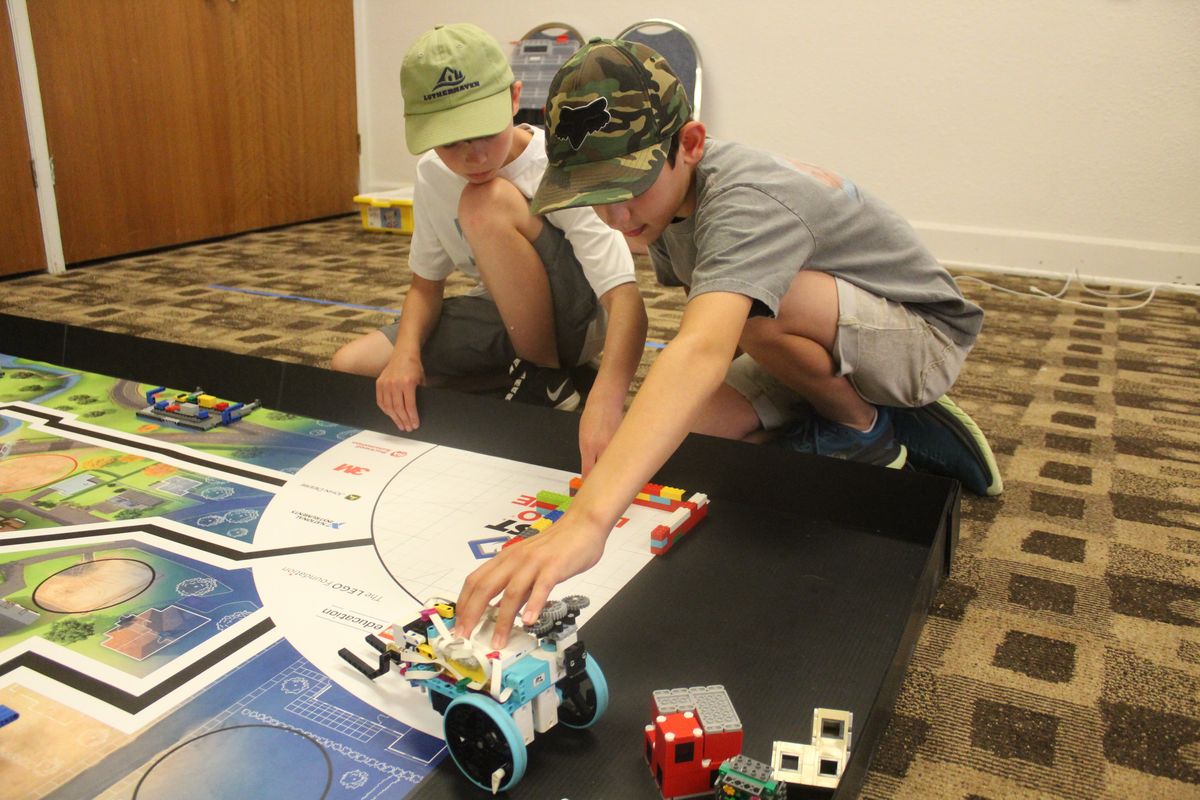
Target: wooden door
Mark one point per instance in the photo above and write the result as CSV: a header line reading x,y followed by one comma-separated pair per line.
x,y
20,222
293,66
170,122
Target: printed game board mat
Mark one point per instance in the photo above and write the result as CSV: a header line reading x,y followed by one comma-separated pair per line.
x,y
174,598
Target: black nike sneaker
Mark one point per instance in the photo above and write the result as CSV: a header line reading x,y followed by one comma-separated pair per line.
x,y
542,386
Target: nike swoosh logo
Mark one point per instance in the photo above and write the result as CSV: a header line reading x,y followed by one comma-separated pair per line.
x,y
554,395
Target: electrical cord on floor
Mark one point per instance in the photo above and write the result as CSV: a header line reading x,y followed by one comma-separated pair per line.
x,y
1036,292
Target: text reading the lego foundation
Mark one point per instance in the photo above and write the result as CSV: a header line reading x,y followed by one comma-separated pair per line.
x,y
350,590
355,591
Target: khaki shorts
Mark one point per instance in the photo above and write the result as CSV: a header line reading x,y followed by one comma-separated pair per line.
x,y
470,337
890,355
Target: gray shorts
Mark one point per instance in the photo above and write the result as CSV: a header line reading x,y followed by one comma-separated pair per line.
x,y
470,337
891,355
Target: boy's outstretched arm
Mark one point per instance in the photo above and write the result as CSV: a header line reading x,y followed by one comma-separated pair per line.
x,y
623,346
396,387
682,379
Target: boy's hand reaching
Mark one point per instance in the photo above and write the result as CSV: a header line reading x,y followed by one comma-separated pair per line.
x,y
597,425
526,573
396,391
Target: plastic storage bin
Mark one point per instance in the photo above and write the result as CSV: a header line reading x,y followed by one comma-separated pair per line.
x,y
388,212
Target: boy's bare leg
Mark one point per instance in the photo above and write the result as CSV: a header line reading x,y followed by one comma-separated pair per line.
x,y
366,355
727,414
497,224
796,348
369,353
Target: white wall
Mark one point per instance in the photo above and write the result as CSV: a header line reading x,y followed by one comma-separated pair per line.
x,y
1031,135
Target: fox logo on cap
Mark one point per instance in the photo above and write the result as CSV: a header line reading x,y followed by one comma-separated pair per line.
x,y
626,94
574,124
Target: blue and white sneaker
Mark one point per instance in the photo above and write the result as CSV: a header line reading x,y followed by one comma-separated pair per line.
x,y
816,435
943,439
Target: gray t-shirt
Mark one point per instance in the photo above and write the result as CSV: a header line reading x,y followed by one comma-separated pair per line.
x,y
759,219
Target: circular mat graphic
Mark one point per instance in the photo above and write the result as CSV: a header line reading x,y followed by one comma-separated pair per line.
x,y
29,472
240,761
93,585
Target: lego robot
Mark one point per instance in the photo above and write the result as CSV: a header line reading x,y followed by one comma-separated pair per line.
x,y
493,702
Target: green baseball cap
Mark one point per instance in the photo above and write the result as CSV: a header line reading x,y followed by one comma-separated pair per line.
x,y
612,110
455,80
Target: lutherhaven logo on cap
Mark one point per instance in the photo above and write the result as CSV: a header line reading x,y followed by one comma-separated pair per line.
x,y
449,77
457,85
450,81
574,124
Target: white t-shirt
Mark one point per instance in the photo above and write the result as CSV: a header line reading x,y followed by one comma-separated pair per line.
x,y
438,246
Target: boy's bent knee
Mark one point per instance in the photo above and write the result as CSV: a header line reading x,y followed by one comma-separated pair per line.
x,y
343,360
366,355
483,207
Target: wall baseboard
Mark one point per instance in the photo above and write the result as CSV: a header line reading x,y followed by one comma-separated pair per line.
x,y
1124,262
1119,261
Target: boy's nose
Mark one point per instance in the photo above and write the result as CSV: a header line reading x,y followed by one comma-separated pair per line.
x,y
614,215
476,151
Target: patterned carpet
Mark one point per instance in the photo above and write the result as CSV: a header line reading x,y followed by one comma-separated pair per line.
x,y
1062,658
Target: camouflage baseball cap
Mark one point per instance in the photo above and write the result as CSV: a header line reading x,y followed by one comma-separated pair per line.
x,y
455,81
611,113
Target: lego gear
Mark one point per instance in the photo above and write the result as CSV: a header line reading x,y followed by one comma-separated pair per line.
x,y
576,602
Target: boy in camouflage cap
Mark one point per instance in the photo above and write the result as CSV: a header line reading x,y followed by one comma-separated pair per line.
x,y
545,285
844,318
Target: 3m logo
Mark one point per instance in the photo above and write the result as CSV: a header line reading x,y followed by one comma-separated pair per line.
x,y
449,77
351,469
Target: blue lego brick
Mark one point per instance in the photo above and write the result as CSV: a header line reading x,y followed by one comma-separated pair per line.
x,y
7,715
528,678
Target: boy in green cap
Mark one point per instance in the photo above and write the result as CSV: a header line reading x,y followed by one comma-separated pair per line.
x,y
845,321
551,291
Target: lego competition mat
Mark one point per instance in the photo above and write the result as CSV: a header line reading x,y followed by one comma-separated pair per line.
x,y
173,599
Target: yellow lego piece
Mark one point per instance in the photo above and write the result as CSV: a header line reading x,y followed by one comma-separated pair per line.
x,y
461,670
671,493
540,524
206,401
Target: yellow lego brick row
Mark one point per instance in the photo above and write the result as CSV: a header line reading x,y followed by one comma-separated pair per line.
x,y
540,524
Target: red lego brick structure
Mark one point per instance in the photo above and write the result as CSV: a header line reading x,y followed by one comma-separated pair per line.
x,y
694,731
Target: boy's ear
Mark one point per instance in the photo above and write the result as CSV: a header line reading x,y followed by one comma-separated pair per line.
x,y
516,96
691,141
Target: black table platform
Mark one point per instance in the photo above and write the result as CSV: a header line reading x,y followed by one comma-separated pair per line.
x,y
806,586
